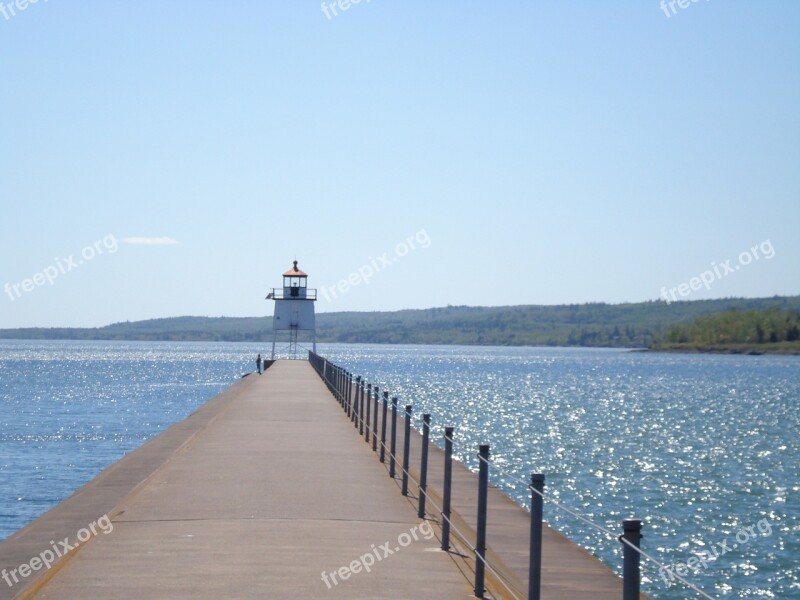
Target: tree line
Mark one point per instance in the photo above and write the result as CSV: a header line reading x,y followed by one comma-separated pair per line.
x,y
771,326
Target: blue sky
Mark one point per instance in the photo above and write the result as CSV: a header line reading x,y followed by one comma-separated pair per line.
x,y
533,153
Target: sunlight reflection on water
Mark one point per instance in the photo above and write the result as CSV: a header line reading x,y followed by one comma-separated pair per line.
x,y
699,447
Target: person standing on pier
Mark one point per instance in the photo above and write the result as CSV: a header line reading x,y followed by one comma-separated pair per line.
x,y
258,364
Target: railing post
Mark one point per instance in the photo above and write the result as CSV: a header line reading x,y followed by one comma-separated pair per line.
x,y
354,411
347,400
360,401
367,412
375,421
383,425
393,448
423,468
630,559
348,384
347,408
359,382
480,538
535,554
448,479
406,450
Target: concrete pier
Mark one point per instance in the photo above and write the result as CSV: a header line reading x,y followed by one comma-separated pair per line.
x,y
268,491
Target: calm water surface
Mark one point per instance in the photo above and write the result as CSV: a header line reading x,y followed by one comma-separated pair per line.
x,y
704,449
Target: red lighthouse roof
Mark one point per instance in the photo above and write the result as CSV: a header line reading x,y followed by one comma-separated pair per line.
x,y
295,272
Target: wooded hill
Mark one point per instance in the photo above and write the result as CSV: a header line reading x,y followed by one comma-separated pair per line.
x,y
755,332
595,324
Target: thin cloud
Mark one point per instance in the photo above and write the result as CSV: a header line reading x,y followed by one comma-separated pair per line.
x,y
154,241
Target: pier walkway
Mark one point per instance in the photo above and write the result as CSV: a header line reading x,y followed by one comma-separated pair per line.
x,y
267,491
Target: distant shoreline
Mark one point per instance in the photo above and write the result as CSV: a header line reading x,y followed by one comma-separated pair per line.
x,y
748,349
591,325
734,349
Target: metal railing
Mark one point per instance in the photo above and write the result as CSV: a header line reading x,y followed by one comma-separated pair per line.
x,y
280,294
349,391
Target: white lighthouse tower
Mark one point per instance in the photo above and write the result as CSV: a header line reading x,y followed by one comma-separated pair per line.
x,y
294,310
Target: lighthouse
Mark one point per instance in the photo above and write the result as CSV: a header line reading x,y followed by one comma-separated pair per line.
x,y
294,311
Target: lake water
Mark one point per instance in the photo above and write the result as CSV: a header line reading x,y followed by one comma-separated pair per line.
x,y
704,449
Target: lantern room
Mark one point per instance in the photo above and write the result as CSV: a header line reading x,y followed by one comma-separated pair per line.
x,y
295,283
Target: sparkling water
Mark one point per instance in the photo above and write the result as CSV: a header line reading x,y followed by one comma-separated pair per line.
x,y
704,449
70,409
